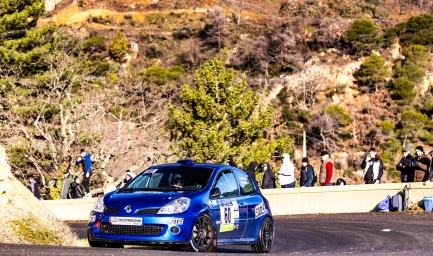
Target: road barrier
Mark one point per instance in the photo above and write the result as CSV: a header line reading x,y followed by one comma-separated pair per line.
x,y
311,200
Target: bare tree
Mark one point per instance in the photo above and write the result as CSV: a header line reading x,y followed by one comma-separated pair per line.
x,y
331,31
239,6
216,31
325,128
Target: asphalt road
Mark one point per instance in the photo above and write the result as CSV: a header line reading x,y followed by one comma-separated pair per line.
x,y
393,233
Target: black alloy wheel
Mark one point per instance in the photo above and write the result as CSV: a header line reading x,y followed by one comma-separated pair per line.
x,y
203,236
266,237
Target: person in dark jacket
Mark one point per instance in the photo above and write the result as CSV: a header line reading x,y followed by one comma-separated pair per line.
x,y
231,162
66,184
75,190
406,171
34,187
430,175
307,174
420,165
252,170
373,167
268,177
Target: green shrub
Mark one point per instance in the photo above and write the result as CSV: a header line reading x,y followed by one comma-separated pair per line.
x,y
412,123
119,45
343,118
417,30
160,76
386,125
96,43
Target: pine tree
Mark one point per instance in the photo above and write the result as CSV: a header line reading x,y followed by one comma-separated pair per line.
x,y
373,72
22,45
221,118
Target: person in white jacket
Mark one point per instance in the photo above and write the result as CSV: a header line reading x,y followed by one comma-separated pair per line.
x,y
286,174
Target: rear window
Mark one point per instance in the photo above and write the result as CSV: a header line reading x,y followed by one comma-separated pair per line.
x,y
186,178
245,183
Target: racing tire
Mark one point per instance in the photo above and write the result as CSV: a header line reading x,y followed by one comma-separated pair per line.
x,y
203,236
114,245
266,237
96,244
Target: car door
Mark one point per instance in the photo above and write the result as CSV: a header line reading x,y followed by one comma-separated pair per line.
x,y
253,202
227,207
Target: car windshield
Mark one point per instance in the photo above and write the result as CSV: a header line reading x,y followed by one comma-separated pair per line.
x,y
171,178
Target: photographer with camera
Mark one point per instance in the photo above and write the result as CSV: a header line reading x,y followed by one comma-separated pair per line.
x,y
406,170
420,165
373,167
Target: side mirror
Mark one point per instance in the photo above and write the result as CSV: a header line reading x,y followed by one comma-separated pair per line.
x,y
215,192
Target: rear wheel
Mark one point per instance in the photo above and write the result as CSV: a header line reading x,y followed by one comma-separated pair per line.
x,y
266,237
203,236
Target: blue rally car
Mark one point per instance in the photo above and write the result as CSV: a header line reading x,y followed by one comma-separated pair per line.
x,y
187,205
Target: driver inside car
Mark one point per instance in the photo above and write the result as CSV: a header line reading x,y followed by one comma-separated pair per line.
x,y
178,182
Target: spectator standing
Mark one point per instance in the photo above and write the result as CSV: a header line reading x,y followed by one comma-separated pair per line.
x,y
34,187
327,171
252,167
108,185
268,177
66,184
286,174
373,167
307,174
231,162
406,171
86,164
128,177
75,190
420,165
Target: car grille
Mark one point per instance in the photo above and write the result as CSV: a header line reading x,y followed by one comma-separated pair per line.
x,y
148,211
112,210
131,230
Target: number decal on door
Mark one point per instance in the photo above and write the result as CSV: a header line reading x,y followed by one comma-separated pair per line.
x,y
229,210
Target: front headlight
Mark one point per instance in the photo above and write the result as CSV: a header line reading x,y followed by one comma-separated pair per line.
x,y
176,206
99,205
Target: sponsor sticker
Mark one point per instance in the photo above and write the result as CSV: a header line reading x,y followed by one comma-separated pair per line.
x,y
260,210
178,221
126,221
151,170
227,227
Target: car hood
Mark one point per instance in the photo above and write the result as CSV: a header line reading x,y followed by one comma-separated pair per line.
x,y
143,199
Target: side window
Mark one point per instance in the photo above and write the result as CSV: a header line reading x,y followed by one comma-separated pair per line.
x,y
227,184
245,183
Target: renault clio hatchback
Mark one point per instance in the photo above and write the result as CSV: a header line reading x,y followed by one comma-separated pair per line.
x,y
186,205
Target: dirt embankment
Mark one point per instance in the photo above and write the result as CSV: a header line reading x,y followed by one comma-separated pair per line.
x,y
24,219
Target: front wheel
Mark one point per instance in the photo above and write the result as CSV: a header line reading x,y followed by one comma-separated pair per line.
x,y
203,236
266,237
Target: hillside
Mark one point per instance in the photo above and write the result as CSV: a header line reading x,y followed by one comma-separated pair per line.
x,y
352,74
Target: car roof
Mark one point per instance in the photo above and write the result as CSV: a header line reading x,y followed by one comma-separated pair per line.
x,y
202,165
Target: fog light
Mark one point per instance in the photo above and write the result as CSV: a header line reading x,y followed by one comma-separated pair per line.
x,y
174,230
98,224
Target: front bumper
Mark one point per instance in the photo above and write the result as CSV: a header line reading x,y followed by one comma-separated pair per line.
x,y
155,229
